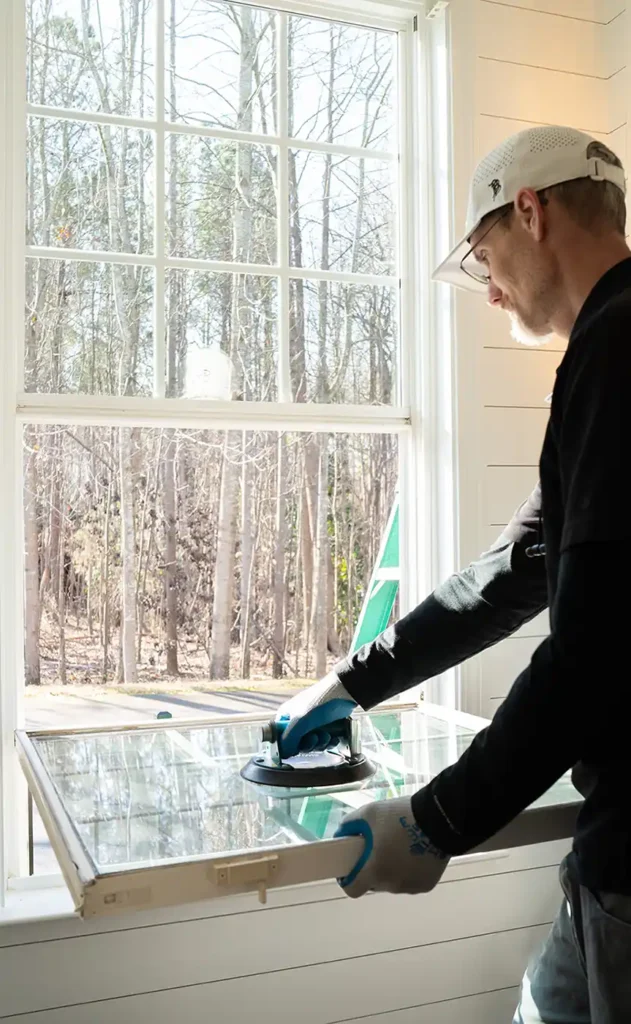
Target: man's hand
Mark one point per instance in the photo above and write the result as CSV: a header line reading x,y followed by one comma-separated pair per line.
x,y
397,857
307,717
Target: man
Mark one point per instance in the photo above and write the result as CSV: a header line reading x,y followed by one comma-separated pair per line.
x,y
545,241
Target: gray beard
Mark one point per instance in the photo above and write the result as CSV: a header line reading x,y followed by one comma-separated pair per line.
x,y
526,337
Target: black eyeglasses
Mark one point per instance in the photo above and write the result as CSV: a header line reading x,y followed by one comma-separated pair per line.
x,y
475,269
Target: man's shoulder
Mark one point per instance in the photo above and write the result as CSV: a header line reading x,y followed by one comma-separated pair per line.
x,y
602,344
611,319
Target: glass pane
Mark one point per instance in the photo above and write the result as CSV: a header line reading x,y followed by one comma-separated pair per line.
x,y
222,335
341,83
344,342
89,186
195,570
221,66
164,794
88,328
91,55
342,213
221,200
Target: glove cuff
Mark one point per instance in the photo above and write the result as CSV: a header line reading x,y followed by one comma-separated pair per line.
x,y
435,823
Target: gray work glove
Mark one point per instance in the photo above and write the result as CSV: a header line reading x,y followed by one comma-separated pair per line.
x,y
397,856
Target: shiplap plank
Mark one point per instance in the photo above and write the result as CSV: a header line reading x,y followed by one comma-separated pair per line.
x,y
216,949
599,11
490,131
318,994
501,664
513,437
618,87
488,1008
543,40
489,706
518,377
539,627
504,490
549,97
491,329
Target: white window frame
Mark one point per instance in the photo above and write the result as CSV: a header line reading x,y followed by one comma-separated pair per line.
x,y
424,351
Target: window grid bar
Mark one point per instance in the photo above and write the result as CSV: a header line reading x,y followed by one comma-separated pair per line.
x,y
206,414
284,365
159,229
43,252
313,145
214,266
229,134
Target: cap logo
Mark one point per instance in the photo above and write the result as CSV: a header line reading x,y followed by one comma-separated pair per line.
x,y
495,185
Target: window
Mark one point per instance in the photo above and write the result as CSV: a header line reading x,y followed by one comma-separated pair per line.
x,y
211,347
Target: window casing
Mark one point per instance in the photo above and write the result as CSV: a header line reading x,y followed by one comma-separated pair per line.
x,y
409,415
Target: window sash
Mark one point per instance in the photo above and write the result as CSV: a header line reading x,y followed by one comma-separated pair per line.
x,y
160,126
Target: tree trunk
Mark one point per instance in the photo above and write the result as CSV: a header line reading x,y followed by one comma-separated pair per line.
x,y
105,606
320,586
89,598
125,281
169,506
279,560
224,563
55,519
309,513
61,605
128,552
169,502
242,237
31,561
247,547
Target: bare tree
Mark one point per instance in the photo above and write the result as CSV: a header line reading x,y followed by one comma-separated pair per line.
x,y
31,559
280,555
170,449
242,232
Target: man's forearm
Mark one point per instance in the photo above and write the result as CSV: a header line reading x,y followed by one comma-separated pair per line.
x,y
471,611
571,703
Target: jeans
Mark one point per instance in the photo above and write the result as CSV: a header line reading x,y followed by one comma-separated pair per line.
x,y
583,973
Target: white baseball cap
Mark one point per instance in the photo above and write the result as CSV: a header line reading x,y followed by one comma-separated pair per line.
x,y
534,158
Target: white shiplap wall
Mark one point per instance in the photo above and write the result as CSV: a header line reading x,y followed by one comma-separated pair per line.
x,y
457,954
535,62
311,955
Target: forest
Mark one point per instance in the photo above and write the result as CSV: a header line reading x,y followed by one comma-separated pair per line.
x,y
154,552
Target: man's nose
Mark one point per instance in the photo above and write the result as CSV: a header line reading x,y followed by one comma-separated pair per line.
x,y
494,294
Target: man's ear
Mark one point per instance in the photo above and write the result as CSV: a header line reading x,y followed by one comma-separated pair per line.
x,y
529,211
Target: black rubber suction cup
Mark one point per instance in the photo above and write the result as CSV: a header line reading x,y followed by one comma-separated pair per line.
x,y
315,769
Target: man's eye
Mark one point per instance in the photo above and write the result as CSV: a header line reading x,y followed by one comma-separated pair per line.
x,y
482,257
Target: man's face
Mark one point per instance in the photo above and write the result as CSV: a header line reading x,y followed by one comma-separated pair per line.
x,y
522,276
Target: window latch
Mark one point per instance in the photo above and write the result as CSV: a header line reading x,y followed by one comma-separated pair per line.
x,y
253,873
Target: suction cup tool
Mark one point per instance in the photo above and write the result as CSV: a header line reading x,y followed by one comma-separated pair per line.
x,y
342,764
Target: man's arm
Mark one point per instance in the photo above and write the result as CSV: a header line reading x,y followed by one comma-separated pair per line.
x,y
572,702
472,610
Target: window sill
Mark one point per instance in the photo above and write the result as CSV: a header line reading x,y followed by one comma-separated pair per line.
x,y
29,906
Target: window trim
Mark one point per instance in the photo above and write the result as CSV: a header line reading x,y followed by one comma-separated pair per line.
x,y
413,419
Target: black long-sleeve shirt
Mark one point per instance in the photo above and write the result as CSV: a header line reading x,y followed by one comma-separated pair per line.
x,y
570,706
469,612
